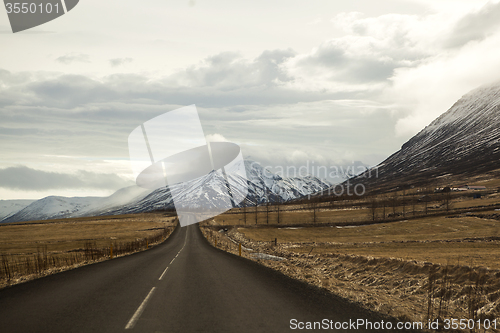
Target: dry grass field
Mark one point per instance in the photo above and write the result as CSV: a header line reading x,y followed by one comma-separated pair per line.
x,y
291,217
33,249
358,211
440,240
65,235
455,235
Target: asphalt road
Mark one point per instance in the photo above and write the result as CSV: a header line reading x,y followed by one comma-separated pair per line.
x,y
184,285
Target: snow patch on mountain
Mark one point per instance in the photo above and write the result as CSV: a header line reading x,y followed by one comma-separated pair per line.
x,y
10,207
463,141
54,207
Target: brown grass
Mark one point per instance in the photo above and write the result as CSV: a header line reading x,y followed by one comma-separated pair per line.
x,y
69,234
424,229
436,239
358,210
37,248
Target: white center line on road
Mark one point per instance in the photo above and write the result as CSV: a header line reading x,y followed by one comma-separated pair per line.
x,y
140,310
164,272
137,314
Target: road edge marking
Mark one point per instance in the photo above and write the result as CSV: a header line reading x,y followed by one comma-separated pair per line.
x,y
138,312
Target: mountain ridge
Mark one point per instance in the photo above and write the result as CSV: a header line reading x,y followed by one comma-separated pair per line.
x,y
262,186
462,142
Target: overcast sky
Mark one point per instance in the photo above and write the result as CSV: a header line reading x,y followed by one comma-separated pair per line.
x,y
329,82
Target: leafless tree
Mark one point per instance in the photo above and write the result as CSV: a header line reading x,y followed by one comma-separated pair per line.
x,y
245,210
267,206
278,203
404,203
333,197
394,203
384,204
447,201
256,211
413,203
313,205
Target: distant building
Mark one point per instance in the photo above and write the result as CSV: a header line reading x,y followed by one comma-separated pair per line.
x,y
442,189
460,189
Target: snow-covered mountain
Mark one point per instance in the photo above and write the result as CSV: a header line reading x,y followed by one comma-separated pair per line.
x,y
462,142
54,207
262,186
10,207
283,189
206,191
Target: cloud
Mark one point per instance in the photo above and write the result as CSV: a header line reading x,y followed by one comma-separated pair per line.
x,y
463,59
225,79
73,57
356,97
476,26
71,89
27,179
119,61
418,65
432,88
259,102
216,138
230,71
327,132
367,57
347,61
345,20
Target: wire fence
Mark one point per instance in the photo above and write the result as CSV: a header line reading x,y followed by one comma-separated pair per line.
x,y
42,262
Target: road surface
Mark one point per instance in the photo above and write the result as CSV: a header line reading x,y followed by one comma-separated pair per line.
x,y
183,285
